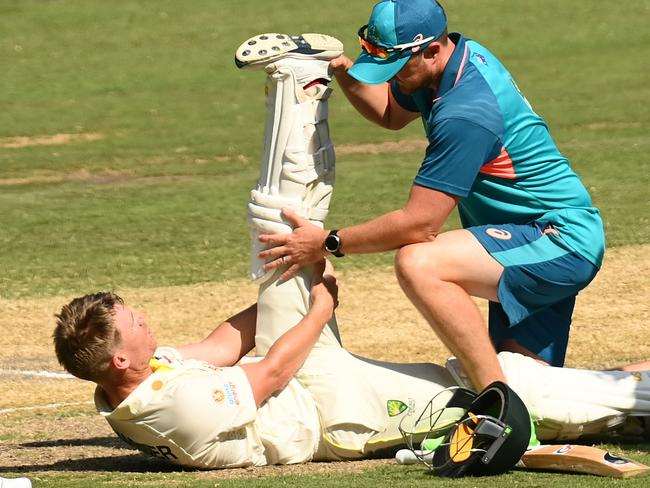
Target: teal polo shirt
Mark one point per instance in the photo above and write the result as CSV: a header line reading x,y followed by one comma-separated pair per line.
x,y
489,147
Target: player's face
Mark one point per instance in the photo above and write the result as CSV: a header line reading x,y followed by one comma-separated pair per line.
x,y
421,71
414,75
138,340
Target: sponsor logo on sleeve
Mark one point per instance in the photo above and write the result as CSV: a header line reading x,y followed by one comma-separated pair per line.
x,y
481,59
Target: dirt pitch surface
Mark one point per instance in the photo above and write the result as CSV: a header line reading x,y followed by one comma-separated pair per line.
x,y
49,425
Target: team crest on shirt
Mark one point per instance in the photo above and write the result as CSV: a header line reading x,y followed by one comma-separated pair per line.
x,y
227,393
395,407
218,395
501,234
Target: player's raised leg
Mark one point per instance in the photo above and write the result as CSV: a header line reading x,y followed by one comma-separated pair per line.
x,y
262,49
297,166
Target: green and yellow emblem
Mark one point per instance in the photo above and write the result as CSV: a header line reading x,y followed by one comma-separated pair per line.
x,y
395,407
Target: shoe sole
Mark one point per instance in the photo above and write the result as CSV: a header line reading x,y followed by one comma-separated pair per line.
x,y
263,49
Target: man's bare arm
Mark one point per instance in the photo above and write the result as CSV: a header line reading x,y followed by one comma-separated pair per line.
x,y
419,220
374,102
228,343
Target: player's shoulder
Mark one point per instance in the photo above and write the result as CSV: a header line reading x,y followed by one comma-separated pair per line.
x,y
166,358
471,101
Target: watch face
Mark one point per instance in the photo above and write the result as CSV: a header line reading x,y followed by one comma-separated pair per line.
x,y
332,243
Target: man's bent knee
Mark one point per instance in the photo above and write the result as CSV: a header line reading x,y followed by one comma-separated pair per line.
x,y
454,257
415,262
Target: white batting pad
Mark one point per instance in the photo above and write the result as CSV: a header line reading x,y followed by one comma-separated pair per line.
x,y
297,166
296,170
260,50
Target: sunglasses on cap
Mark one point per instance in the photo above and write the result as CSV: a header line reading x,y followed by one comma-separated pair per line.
x,y
383,52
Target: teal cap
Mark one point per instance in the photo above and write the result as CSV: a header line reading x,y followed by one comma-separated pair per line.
x,y
393,24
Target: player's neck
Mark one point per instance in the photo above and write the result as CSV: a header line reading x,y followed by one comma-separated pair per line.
x,y
121,386
445,55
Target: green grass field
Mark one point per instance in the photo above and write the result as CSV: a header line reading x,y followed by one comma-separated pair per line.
x,y
158,196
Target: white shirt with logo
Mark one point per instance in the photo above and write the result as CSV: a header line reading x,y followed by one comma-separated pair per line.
x,y
194,414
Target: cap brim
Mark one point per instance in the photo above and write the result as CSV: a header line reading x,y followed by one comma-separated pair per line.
x,y
373,71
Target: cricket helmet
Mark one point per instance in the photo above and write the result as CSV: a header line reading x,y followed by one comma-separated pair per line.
x,y
489,438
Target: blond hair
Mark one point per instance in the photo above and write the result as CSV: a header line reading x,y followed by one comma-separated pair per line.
x,y
85,337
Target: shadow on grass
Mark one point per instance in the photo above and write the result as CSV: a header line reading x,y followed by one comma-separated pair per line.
x,y
93,457
110,441
133,463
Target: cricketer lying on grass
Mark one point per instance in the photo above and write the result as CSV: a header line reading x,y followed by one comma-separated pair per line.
x,y
338,406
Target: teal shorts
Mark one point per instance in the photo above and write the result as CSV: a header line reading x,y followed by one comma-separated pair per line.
x,y
538,288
